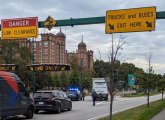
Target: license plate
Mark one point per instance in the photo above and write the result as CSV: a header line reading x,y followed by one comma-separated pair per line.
x,y
41,103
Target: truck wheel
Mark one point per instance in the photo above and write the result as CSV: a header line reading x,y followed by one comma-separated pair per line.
x,y
30,113
70,107
58,108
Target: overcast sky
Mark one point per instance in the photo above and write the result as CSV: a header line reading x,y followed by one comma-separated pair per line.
x,y
139,44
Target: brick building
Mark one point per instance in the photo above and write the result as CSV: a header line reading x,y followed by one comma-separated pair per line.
x,y
84,57
52,49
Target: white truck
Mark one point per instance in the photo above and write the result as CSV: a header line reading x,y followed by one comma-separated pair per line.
x,y
100,86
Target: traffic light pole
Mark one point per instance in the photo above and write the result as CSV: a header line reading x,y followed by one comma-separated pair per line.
x,y
85,21
91,20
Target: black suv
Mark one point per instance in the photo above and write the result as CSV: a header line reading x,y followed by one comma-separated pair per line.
x,y
51,100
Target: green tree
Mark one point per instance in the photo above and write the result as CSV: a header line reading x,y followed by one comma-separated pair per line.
x,y
86,81
43,79
12,53
101,68
74,78
64,80
161,85
54,78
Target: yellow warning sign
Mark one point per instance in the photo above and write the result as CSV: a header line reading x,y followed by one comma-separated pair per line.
x,y
19,28
130,20
49,23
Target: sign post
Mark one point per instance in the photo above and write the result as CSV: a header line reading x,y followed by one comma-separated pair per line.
x,y
130,20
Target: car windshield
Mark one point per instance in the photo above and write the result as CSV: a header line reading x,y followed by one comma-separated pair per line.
x,y
43,95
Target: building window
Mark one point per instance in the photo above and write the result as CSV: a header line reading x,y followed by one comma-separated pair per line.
x,y
45,51
40,51
52,43
52,59
50,37
33,45
46,59
52,50
45,44
23,44
27,44
35,58
40,43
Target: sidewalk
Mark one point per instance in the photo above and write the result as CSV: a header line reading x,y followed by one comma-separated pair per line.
x,y
159,116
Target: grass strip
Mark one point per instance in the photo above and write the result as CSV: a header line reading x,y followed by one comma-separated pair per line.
x,y
140,113
140,94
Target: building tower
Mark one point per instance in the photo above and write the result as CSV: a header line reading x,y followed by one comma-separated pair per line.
x,y
50,50
85,58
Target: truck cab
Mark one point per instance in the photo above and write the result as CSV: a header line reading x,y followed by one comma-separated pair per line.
x,y
14,97
100,86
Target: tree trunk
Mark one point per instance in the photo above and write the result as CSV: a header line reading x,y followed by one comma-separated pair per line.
x,y
148,97
111,106
162,94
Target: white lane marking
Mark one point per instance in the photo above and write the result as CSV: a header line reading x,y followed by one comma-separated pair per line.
x,y
100,102
106,102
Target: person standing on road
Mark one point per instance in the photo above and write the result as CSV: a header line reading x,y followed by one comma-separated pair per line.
x,y
83,95
94,94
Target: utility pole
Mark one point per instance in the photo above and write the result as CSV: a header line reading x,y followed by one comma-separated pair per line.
x,y
33,71
111,85
148,83
81,73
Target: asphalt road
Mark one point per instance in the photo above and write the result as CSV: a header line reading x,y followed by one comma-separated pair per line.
x,y
83,110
